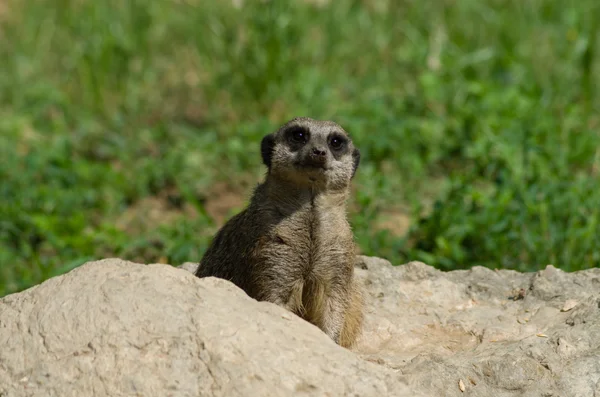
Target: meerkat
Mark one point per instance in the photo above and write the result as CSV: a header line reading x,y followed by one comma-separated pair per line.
x,y
293,245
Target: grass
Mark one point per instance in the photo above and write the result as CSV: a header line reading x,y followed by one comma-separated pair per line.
x,y
132,129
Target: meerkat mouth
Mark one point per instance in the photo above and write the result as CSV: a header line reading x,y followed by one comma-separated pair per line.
x,y
312,165
314,171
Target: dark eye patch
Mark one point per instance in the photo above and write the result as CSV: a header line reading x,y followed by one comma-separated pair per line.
x,y
337,142
298,135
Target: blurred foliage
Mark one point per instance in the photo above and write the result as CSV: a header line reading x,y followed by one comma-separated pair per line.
x,y
478,122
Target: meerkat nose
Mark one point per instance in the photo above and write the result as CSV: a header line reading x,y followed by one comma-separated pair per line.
x,y
320,152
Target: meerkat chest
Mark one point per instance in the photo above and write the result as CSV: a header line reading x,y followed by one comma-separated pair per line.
x,y
315,236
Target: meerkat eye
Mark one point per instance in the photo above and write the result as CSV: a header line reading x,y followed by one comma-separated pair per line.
x,y
336,142
298,135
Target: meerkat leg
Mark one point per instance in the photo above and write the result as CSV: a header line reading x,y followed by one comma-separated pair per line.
x,y
354,317
289,298
334,316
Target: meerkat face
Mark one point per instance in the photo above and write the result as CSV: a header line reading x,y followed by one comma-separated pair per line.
x,y
308,151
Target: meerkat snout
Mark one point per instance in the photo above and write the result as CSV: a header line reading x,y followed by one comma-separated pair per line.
x,y
318,157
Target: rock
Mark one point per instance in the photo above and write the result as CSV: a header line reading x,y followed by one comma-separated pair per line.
x,y
440,327
117,328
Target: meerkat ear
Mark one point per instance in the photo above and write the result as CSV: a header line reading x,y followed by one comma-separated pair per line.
x,y
266,149
356,159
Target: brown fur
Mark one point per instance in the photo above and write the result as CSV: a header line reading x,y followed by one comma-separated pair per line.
x,y
293,245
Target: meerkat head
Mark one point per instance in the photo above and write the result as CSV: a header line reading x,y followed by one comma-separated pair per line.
x,y
307,151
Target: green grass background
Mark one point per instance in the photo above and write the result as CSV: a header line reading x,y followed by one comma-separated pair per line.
x,y
132,128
